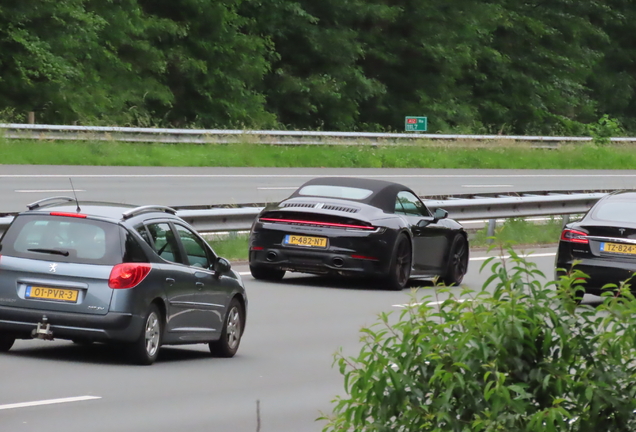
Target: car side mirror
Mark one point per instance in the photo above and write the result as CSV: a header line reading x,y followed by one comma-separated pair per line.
x,y
440,214
221,265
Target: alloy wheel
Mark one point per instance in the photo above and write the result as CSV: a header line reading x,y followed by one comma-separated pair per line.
x,y
233,332
152,334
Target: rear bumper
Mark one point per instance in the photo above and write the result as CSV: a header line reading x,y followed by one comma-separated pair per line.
x,y
317,262
602,272
116,327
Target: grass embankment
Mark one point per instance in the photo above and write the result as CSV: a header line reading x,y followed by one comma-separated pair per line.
x,y
519,231
423,154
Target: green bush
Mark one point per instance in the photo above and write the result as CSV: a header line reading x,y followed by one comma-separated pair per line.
x,y
520,355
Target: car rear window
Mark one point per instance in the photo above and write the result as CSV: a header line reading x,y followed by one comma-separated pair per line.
x,y
64,239
616,211
335,192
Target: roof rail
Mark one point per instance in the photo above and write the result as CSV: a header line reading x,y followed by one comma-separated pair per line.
x,y
148,208
39,203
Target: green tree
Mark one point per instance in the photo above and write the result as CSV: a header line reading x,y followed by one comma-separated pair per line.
x,y
212,66
314,80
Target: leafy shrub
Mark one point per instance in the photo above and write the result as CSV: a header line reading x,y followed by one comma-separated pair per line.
x,y
606,128
520,355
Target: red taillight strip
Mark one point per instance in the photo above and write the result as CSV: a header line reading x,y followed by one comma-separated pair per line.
x,y
574,236
331,224
77,215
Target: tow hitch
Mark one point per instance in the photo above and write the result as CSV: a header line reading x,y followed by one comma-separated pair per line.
x,y
43,330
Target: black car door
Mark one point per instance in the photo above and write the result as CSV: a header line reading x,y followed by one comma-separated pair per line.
x,y
211,294
429,237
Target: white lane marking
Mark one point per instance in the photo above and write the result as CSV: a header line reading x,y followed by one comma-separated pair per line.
x,y
48,402
244,273
460,300
534,219
530,255
313,175
485,185
277,188
47,190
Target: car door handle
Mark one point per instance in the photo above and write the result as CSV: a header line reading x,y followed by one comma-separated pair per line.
x,y
200,285
170,281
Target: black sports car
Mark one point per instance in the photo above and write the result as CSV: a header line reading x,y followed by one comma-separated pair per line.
x,y
358,227
603,243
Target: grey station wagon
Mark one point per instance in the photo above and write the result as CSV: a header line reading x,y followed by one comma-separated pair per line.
x,y
101,272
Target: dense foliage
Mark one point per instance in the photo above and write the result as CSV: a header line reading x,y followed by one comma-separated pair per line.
x,y
498,66
520,356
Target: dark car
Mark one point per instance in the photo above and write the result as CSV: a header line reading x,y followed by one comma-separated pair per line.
x,y
602,243
104,272
358,227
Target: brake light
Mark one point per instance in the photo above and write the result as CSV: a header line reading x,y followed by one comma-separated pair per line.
x,y
574,236
77,215
257,248
128,275
329,224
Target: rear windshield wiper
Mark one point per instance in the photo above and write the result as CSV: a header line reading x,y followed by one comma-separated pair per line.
x,y
50,251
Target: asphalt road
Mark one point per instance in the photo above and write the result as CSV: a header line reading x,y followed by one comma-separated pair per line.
x,y
23,184
285,362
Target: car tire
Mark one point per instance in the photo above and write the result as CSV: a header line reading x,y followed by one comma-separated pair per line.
x,y
457,262
400,269
145,349
265,273
232,331
6,342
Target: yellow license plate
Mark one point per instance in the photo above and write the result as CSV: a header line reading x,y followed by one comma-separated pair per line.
x,y
58,294
618,248
317,242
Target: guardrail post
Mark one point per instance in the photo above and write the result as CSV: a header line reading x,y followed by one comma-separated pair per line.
x,y
492,223
566,220
31,117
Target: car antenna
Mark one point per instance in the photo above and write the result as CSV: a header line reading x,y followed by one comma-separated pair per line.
x,y
75,195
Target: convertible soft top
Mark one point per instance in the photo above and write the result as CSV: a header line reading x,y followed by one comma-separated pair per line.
x,y
383,196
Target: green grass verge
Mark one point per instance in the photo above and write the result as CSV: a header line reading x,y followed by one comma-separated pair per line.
x,y
521,232
425,154
233,247
518,231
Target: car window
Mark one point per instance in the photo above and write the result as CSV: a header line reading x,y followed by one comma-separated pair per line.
x,y
194,248
66,239
133,251
408,204
335,192
615,211
164,242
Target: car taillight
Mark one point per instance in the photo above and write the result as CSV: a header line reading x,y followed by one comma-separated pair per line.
x,y
128,275
310,222
574,236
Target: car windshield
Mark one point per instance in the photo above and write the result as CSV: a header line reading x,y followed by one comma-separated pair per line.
x,y
66,239
616,211
335,192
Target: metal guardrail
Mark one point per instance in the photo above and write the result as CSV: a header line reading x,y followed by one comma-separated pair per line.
x,y
202,136
463,209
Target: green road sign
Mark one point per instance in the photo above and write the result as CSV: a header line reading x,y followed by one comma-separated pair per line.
x,y
415,124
